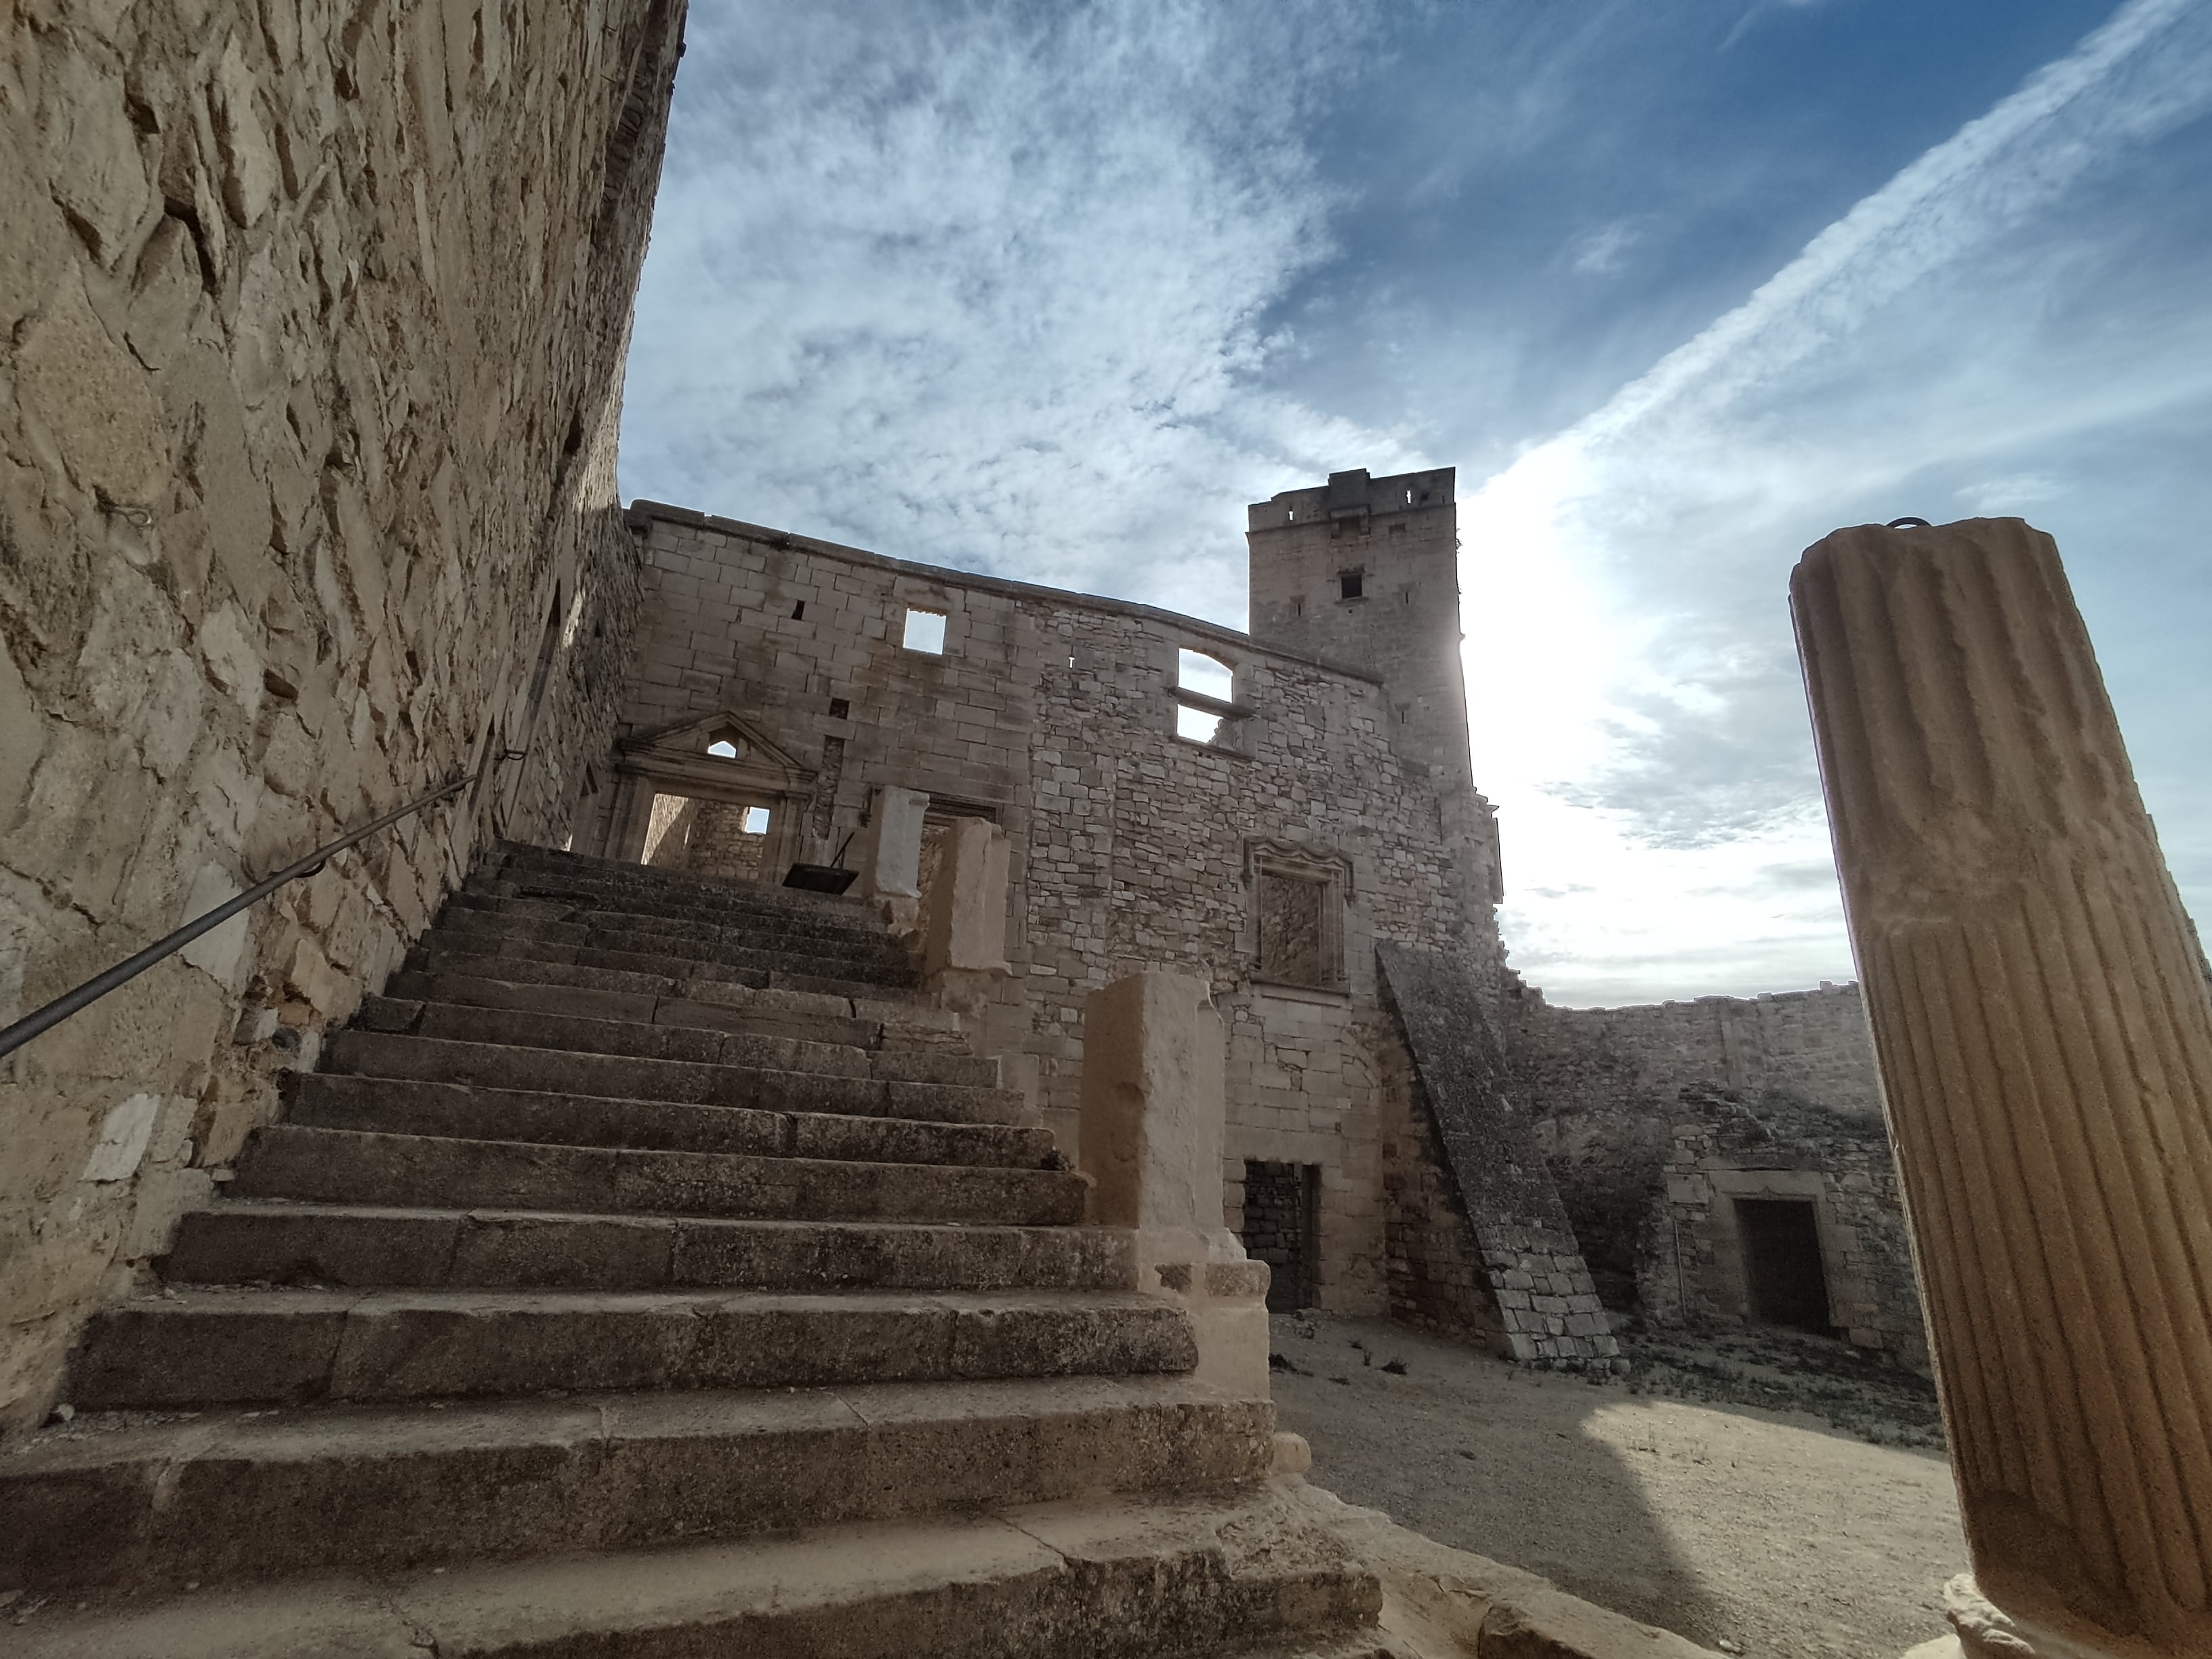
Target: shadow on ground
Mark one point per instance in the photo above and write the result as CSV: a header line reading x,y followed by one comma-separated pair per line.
x,y
1679,1496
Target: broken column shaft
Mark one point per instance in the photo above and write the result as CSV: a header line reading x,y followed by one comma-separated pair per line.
x,y
2042,1019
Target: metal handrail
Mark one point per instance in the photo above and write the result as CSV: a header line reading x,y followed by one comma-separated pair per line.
x,y
15,1036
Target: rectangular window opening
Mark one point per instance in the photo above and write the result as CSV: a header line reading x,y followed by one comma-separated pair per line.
x,y
1351,584
1299,933
1207,675
924,631
839,708
1196,724
799,610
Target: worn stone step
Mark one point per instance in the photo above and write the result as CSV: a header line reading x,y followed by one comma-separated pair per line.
x,y
493,985
114,1501
901,1016
783,935
526,865
241,1241
248,1347
289,1160
520,861
687,1032
433,949
401,1106
886,963
653,913
1094,1578
621,1077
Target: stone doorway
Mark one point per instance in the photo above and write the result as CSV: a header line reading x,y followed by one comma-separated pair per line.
x,y
1783,1280
1282,1228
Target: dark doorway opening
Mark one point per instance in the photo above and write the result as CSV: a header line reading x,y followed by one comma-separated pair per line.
x,y
1282,1228
1782,1263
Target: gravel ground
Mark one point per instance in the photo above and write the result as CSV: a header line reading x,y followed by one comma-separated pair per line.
x,y
1758,1492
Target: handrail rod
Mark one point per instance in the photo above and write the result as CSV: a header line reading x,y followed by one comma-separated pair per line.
x,y
15,1036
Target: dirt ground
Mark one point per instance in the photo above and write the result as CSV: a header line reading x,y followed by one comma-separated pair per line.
x,y
1760,1492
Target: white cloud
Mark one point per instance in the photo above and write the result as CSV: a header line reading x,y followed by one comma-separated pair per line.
x,y
1636,563
985,288
1600,253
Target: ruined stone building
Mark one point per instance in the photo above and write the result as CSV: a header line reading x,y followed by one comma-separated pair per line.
x,y
312,327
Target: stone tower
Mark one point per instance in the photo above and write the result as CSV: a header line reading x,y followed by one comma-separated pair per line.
x,y
1363,574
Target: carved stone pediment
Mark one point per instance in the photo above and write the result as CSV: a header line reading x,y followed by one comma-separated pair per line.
x,y
711,755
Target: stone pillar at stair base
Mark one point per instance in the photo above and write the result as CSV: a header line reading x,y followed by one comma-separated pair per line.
x,y
963,925
1153,1105
2045,1033
891,855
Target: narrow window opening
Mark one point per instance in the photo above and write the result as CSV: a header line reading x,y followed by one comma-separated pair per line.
x,y
1409,498
755,821
799,610
839,708
924,631
1351,584
1298,605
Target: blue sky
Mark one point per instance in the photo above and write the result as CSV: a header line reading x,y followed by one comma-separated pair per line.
x,y
1054,291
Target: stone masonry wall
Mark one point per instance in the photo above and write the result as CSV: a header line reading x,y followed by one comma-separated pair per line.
x,y
1131,847
1727,1147
312,320
1615,1092
1603,1085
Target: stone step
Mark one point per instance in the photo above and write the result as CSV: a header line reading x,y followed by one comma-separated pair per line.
x,y
113,1500
687,1032
494,984
898,1019
539,865
350,1166
433,949
621,1076
1094,1578
520,861
252,1347
407,1107
886,963
658,912
786,936
243,1242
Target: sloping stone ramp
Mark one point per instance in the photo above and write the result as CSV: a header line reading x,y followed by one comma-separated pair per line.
x,y
653,1270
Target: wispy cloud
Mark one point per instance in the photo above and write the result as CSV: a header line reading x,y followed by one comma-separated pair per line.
x,y
984,285
1656,532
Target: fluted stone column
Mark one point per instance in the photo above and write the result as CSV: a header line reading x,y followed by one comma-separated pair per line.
x,y
2042,1019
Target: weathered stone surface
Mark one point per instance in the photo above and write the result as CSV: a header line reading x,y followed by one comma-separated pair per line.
x,y
1208,1577
1152,1105
302,450
385,1489
1489,1145
2044,1021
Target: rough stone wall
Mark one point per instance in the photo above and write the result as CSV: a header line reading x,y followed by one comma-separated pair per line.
x,y
311,319
1608,1088
1728,1146
1131,848
1544,1297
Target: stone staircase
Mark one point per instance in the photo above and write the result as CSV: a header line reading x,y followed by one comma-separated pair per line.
x,y
654,1270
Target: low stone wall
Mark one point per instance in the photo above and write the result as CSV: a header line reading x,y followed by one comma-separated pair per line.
x,y
313,319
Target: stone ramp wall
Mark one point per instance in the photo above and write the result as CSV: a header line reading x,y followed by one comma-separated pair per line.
x,y
312,320
1547,1306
